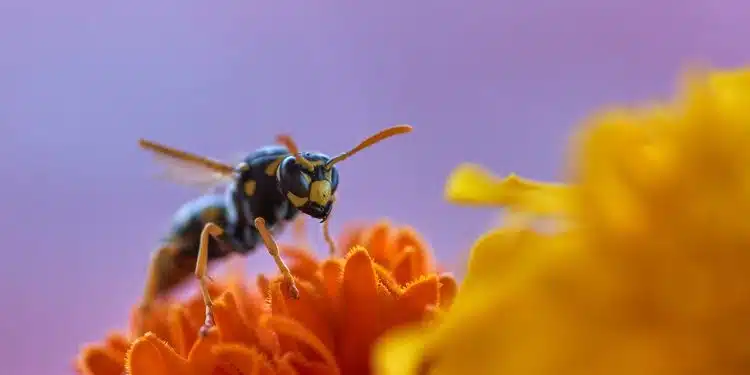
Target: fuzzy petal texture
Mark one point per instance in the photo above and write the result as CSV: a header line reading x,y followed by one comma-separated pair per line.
x,y
346,304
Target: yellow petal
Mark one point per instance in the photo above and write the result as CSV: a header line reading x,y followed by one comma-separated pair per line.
x,y
448,289
400,352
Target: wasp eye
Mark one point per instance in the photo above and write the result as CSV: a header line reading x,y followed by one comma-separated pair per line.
x,y
306,180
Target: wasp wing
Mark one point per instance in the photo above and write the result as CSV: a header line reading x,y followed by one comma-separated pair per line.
x,y
189,169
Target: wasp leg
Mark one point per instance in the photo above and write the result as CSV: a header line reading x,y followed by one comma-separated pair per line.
x,y
329,240
201,272
273,249
165,271
327,233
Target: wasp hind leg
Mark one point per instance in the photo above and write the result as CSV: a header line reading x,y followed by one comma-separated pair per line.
x,y
164,272
201,272
273,250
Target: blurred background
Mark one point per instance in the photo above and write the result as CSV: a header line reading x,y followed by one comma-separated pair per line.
x,y
494,82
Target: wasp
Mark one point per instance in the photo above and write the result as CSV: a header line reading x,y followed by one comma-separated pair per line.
x,y
262,193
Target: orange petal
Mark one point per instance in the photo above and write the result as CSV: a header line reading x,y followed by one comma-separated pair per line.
x,y
96,360
151,356
201,358
263,285
155,320
403,239
386,279
306,367
351,237
448,289
416,298
230,323
117,342
265,368
402,266
302,262
359,317
332,272
279,295
245,360
284,365
376,242
183,334
310,310
420,262
291,328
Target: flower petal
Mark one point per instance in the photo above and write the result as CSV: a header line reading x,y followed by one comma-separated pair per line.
x,y
312,311
376,242
245,359
97,360
332,272
302,263
404,239
307,367
399,352
386,279
151,356
402,266
231,325
201,357
411,305
448,289
360,321
263,285
183,334
291,328
351,237
117,342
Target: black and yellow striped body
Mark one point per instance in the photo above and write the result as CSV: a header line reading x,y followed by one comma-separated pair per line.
x,y
254,194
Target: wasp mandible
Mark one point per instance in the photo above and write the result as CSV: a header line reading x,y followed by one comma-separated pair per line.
x,y
263,192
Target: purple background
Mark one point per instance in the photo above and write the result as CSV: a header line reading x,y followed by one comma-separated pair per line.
x,y
494,82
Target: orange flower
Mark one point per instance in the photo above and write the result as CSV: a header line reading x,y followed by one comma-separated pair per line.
x,y
346,303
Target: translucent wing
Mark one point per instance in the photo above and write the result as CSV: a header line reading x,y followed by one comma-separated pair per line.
x,y
189,169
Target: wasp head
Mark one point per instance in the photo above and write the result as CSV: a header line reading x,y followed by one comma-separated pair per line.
x,y
309,185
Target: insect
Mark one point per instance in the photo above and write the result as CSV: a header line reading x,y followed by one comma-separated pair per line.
x,y
269,188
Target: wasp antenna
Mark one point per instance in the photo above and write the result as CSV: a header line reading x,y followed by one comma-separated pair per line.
x,y
370,141
288,142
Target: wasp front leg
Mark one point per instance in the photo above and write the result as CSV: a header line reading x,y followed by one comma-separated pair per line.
x,y
201,271
273,250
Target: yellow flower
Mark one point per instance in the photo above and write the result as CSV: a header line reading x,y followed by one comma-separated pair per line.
x,y
345,304
647,272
